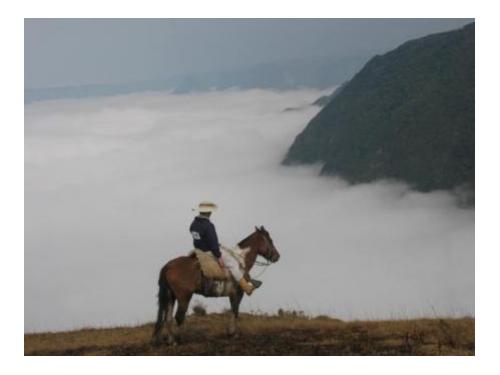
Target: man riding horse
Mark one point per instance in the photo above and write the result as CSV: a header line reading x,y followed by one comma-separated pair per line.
x,y
180,278
205,239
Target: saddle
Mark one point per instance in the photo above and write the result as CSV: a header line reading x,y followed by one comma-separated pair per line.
x,y
210,268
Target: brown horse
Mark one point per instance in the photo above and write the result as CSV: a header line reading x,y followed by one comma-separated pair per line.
x,y
182,277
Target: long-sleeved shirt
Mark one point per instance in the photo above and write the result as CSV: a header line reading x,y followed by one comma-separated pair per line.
x,y
204,235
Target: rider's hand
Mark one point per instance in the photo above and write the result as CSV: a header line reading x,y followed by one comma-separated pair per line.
x,y
221,263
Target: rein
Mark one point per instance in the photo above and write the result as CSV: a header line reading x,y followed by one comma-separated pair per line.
x,y
262,264
265,264
241,260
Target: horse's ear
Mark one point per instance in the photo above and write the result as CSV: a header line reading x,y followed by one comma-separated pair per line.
x,y
262,228
257,228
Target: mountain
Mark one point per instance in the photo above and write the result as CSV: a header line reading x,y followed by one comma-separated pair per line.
x,y
289,74
93,90
325,99
407,115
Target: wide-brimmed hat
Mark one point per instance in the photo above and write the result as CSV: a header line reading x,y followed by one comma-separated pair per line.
x,y
205,206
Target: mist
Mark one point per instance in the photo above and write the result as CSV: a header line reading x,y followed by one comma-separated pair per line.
x,y
110,184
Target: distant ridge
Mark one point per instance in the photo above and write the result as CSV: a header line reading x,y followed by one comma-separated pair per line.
x,y
95,90
291,74
407,115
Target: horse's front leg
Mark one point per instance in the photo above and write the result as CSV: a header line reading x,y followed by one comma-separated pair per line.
x,y
235,300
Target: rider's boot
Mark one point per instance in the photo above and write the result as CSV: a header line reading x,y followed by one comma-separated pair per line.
x,y
256,283
247,287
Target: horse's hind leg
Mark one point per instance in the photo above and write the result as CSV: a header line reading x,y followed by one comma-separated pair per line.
x,y
165,300
182,307
235,300
169,320
180,314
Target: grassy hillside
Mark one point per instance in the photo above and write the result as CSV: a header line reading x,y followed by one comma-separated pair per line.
x,y
286,334
407,115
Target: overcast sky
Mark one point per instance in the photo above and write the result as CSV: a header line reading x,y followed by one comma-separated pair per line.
x,y
69,52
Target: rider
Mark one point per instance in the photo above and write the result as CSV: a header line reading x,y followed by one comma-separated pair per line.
x,y
205,239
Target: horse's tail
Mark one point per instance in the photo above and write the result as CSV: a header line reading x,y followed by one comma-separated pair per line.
x,y
164,298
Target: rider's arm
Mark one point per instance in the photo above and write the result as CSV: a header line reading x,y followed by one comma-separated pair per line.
x,y
213,241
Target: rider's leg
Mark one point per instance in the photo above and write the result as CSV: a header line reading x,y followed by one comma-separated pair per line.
x,y
234,267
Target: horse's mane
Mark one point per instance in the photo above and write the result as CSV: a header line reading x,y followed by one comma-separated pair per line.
x,y
245,239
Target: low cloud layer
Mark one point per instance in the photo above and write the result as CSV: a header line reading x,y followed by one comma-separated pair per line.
x,y
109,187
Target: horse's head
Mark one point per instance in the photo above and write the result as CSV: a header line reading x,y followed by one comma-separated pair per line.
x,y
265,246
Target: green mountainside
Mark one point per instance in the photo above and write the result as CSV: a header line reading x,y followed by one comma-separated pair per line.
x,y
325,99
407,115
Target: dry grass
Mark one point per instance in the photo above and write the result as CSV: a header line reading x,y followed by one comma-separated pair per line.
x,y
286,334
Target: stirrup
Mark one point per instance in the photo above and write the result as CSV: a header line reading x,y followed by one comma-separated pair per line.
x,y
256,283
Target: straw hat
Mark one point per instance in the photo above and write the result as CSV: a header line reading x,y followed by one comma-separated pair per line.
x,y
207,207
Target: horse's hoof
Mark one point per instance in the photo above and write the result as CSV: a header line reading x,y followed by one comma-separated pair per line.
x,y
156,341
172,341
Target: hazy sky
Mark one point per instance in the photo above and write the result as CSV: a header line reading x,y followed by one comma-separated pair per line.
x,y
74,51
109,187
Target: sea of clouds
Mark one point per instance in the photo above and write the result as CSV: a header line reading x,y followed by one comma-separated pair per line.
x,y
110,184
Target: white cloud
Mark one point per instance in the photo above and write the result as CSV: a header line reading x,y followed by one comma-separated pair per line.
x,y
109,184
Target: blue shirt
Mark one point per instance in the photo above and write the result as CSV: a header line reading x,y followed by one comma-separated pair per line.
x,y
204,235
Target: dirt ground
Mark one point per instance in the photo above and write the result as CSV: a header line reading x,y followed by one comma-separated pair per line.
x,y
287,334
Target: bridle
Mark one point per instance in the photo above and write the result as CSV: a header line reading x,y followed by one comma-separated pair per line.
x,y
267,256
258,263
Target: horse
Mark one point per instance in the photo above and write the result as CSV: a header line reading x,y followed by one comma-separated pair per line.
x,y
181,277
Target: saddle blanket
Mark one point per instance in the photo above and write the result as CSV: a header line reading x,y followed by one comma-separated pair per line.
x,y
233,259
